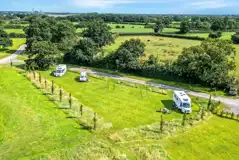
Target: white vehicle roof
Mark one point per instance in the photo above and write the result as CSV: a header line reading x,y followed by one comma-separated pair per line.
x,y
60,67
183,96
83,73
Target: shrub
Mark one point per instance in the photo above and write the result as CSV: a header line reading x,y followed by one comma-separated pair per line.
x,y
215,34
117,26
123,27
235,38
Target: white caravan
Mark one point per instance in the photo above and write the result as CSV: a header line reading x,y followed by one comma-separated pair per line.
x,y
182,101
83,77
60,70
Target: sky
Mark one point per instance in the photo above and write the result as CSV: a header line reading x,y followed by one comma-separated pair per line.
x,y
125,6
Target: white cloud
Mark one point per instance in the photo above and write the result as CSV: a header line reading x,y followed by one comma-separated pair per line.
x,y
210,4
109,3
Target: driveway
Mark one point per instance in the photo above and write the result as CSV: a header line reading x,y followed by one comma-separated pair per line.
x,y
13,57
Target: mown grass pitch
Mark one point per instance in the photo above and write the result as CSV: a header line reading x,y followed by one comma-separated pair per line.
x,y
17,42
124,106
215,139
30,124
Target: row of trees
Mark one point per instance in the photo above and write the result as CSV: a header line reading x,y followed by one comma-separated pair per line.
x,y
209,63
5,41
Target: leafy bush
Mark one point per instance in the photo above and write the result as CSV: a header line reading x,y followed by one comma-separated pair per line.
x,y
235,38
215,34
117,27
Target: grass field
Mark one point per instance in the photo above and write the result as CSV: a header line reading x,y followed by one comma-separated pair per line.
x,y
17,42
31,124
225,35
122,105
14,31
216,139
166,49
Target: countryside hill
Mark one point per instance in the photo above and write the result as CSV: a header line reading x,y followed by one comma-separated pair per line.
x,y
131,86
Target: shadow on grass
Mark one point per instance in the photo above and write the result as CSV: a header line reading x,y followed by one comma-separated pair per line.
x,y
66,108
169,105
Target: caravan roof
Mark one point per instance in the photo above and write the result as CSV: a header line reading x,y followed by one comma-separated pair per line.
x,y
60,67
182,96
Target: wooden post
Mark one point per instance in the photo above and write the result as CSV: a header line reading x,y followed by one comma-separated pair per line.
x,y
60,94
95,121
40,78
70,100
203,113
81,110
45,84
184,119
209,102
161,124
34,75
52,87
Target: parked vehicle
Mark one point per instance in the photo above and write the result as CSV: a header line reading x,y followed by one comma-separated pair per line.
x,y
182,101
233,91
60,70
83,77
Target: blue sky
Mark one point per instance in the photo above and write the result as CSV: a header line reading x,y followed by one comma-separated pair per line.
x,y
126,6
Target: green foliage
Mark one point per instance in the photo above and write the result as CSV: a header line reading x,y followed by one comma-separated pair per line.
x,y
215,34
235,38
42,55
127,55
99,32
185,27
83,52
5,41
211,62
159,27
217,25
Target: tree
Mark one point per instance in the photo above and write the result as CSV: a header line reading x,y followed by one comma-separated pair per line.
x,y
210,63
185,27
235,38
5,41
42,55
215,34
217,25
83,52
159,27
127,55
99,32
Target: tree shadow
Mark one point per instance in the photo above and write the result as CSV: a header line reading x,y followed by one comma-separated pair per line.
x,y
169,105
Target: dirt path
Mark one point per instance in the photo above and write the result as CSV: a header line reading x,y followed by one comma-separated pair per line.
x,y
233,104
13,56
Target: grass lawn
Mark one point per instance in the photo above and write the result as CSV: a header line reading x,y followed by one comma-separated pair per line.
x,y
124,106
237,59
225,35
17,42
213,140
14,31
166,49
30,124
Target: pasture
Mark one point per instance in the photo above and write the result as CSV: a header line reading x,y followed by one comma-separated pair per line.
x,y
17,42
124,106
31,124
20,31
225,35
214,139
166,49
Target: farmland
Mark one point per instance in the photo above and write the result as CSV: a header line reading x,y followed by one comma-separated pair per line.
x,y
225,35
17,42
14,31
166,49
30,124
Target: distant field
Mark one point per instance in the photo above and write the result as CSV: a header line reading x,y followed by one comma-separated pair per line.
x,y
31,124
215,139
166,49
14,31
124,106
237,59
17,42
225,35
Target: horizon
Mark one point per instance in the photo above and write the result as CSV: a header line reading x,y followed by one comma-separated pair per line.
x,y
183,7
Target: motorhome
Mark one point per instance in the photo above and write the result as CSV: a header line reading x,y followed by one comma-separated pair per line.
x,y
182,101
83,77
60,70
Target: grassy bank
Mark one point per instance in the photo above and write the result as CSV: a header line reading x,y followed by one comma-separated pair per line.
x,y
31,124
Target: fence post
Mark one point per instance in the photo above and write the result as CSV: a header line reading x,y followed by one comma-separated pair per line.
x,y
95,121
161,124
52,87
184,119
81,110
60,94
45,84
70,100
40,78
209,102
203,113
34,75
